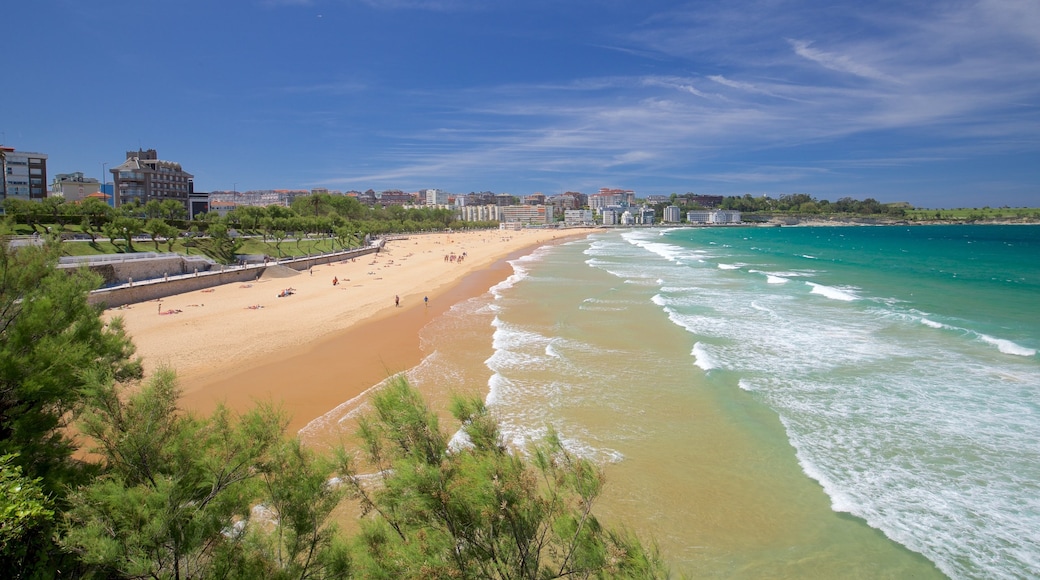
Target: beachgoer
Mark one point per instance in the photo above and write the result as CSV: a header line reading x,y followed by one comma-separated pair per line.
x,y
426,300
397,300
335,280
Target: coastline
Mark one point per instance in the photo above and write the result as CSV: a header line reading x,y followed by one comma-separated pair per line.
x,y
324,344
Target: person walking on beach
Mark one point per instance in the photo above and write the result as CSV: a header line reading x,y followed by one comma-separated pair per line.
x,y
397,300
426,301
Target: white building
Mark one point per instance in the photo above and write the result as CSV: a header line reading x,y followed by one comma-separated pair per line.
x,y
435,197
578,217
74,186
672,214
713,216
610,217
25,175
645,216
479,213
527,214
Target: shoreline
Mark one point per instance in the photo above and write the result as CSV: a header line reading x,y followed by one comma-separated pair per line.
x,y
343,365
324,344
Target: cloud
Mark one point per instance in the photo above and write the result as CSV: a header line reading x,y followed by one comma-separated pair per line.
x,y
837,62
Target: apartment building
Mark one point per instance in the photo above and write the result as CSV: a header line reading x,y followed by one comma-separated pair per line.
x,y
479,213
435,196
74,186
578,217
528,214
717,216
144,177
24,175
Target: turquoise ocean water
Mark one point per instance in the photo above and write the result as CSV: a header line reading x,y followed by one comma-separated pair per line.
x,y
782,402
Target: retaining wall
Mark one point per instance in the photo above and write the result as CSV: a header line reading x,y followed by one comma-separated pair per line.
x,y
143,290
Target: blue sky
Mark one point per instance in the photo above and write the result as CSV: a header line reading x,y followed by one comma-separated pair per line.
x,y
935,103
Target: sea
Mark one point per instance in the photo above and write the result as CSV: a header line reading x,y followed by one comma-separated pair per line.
x,y
783,402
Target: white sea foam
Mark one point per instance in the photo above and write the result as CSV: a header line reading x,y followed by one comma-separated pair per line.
x,y
459,441
927,436
730,266
702,358
844,294
1007,347
771,279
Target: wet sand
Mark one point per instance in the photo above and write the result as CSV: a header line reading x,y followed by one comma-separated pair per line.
x,y
324,344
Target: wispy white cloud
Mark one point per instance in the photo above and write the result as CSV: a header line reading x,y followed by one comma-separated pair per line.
x,y
742,81
837,62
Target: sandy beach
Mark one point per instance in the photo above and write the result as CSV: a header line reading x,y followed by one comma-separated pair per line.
x,y
321,343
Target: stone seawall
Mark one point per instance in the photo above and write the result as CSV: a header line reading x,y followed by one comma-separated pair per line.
x,y
142,290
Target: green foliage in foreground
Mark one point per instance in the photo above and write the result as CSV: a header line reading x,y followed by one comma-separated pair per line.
x,y
167,494
49,336
232,497
25,512
189,497
480,511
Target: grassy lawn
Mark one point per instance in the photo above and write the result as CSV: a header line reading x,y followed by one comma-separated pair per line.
x,y
984,213
288,248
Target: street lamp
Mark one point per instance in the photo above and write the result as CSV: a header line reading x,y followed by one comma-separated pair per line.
x,y
104,181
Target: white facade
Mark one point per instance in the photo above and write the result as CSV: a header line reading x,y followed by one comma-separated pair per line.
x,y
479,213
435,197
672,214
610,217
714,216
578,217
527,214
26,175
74,186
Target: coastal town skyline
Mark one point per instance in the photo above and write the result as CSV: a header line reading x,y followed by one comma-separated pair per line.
x,y
931,105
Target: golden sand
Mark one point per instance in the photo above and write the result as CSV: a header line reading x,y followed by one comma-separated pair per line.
x,y
324,343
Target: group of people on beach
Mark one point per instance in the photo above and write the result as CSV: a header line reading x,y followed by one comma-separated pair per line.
x,y
455,258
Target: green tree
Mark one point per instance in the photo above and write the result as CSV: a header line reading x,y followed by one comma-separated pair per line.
x,y
152,209
300,497
189,497
173,485
26,514
171,209
480,511
124,228
29,212
49,336
251,216
158,228
96,214
279,237
220,245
